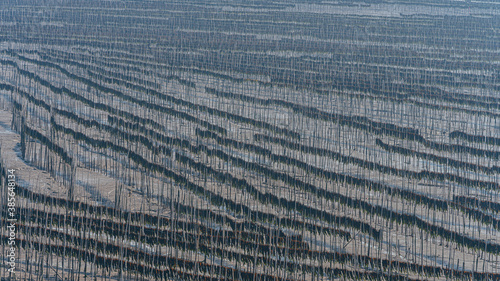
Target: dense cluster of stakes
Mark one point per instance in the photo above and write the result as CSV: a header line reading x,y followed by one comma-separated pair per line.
x,y
253,140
